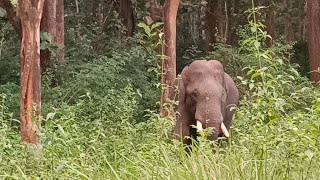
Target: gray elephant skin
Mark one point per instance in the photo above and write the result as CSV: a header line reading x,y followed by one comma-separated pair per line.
x,y
206,95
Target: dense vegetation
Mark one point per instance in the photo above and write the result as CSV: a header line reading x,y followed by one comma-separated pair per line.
x,y
102,122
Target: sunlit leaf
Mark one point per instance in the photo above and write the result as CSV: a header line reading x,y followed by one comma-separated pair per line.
x,y
3,12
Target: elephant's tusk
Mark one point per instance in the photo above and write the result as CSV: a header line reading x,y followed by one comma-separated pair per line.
x,y
199,126
224,130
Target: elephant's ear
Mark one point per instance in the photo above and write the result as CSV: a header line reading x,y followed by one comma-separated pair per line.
x,y
218,71
182,82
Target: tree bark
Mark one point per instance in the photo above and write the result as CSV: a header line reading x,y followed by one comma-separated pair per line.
x,y
288,29
221,21
59,38
48,24
126,12
30,101
169,63
100,17
232,22
211,24
304,23
11,15
313,30
271,26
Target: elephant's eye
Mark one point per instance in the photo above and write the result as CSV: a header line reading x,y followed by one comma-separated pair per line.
x,y
194,93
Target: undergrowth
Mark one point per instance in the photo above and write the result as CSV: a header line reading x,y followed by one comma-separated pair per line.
x,y
95,125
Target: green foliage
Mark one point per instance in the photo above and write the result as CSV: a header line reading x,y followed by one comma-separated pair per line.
x,y
11,91
151,38
9,54
101,78
283,124
95,124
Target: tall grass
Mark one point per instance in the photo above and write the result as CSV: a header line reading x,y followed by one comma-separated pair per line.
x,y
266,143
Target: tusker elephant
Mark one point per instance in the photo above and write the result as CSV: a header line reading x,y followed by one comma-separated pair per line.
x,y
206,97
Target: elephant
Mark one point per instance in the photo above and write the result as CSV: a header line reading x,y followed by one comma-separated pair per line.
x,y
206,95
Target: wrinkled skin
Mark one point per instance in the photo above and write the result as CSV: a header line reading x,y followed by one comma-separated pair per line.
x,y
206,93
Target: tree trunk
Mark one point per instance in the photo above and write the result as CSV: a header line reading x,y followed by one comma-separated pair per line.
x,y
48,24
313,30
11,15
100,16
211,24
227,21
288,29
169,63
59,38
30,101
221,21
271,26
126,12
305,22
232,22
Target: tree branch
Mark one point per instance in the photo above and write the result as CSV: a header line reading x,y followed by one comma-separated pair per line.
x,y
11,15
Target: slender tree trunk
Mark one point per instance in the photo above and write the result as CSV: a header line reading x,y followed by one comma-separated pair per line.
x,y
227,21
221,20
271,26
30,102
169,64
48,24
59,38
288,29
305,22
232,24
211,24
313,30
126,12
101,17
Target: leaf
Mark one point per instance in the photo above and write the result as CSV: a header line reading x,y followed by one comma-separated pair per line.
x,y
253,29
257,44
250,72
309,154
263,69
269,75
256,75
155,25
146,28
251,85
265,56
61,129
50,115
239,77
141,25
3,12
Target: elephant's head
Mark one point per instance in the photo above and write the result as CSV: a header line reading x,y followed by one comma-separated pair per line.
x,y
204,95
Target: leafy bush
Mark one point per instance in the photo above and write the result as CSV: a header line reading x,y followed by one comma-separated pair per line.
x,y
9,54
103,76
